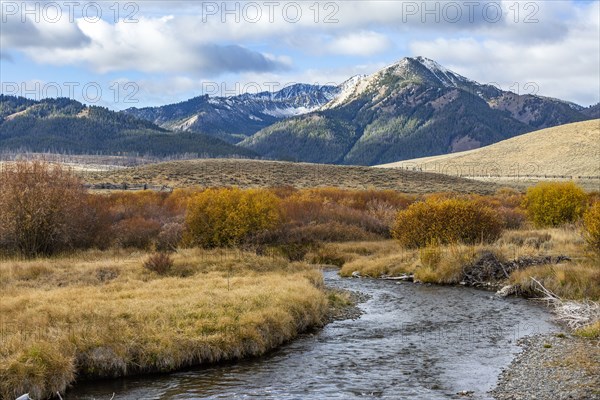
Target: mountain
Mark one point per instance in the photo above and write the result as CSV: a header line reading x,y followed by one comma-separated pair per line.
x,y
565,150
592,111
65,125
235,118
410,109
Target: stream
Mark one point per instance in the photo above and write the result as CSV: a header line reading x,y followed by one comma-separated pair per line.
x,y
413,341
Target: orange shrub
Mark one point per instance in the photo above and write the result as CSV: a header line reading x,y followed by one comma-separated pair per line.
x,y
225,217
441,220
369,211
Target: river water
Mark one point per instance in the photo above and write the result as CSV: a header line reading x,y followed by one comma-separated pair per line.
x,y
412,342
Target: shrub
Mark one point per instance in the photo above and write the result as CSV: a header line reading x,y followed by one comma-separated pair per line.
x,y
591,224
446,220
169,237
40,208
161,263
136,232
333,232
554,203
328,256
225,217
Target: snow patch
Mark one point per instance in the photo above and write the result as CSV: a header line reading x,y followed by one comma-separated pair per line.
x,y
288,112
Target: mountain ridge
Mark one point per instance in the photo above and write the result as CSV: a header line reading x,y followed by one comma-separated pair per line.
x,y
409,109
236,117
65,125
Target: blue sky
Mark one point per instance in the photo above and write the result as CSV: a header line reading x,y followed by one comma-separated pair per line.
x,y
157,52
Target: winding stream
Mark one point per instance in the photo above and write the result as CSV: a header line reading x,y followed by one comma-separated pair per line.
x,y
413,341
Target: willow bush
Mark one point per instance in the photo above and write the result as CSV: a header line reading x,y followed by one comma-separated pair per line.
x,y
225,217
439,220
551,204
591,227
42,208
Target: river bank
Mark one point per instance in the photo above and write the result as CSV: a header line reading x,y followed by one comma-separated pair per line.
x,y
553,367
411,341
102,314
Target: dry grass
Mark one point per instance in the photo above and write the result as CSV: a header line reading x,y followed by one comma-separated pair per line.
x,y
577,281
102,314
590,332
253,173
566,150
566,240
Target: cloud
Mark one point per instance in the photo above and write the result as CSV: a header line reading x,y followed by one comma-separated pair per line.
x,y
566,68
155,45
27,34
363,43
553,43
6,57
233,58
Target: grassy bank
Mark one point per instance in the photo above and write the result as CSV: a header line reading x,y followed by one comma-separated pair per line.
x,y
576,279
101,314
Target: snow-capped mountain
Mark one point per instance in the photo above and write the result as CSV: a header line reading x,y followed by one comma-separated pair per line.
x,y
412,108
236,117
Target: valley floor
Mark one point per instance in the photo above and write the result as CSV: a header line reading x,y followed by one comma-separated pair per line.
x,y
102,314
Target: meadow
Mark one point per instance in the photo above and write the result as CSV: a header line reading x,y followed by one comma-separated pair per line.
x,y
122,283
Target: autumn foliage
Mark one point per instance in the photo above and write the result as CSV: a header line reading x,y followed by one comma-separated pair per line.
x,y
225,217
440,220
591,223
42,208
554,203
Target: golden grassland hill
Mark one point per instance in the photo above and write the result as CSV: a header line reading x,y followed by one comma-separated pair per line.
x,y
96,314
256,173
565,150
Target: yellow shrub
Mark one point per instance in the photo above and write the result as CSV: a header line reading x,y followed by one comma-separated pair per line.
x,y
225,217
446,220
591,223
554,203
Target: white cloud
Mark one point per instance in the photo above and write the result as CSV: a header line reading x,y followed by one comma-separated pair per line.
x,y
567,68
363,43
560,52
154,45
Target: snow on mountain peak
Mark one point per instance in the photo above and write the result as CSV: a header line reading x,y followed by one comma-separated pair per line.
x,y
447,77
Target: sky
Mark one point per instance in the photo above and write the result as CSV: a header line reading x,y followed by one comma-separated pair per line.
x,y
121,54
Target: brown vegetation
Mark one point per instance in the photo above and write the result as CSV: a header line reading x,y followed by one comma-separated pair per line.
x,y
42,208
262,174
121,266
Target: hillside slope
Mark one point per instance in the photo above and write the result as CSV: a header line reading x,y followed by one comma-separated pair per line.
x,y
566,150
255,173
64,125
236,117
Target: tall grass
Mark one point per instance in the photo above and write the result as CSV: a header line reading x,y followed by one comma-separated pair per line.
x,y
104,315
